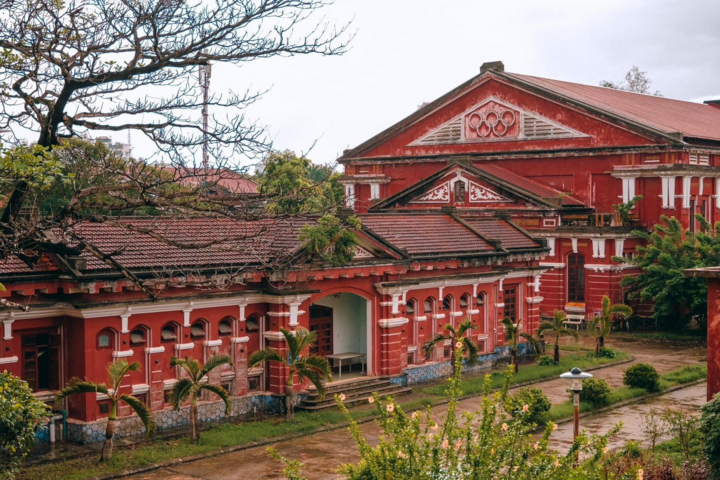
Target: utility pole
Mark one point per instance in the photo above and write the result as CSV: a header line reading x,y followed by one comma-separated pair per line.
x,y
204,77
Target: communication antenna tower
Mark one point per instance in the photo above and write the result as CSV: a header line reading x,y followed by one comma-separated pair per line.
x,y
204,77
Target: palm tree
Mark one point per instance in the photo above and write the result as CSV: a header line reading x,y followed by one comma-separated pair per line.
x,y
116,372
601,325
513,333
312,367
557,328
192,386
455,337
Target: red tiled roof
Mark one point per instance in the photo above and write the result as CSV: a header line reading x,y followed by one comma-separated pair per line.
x,y
425,234
542,191
507,233
242,242
13,265
233,181
665,114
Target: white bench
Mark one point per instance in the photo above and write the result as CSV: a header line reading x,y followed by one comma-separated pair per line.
x,y
574,320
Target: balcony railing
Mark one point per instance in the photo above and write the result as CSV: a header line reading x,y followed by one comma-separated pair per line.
x,y
598,220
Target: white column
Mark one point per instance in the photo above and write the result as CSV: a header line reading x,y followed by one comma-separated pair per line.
x,y
7,329
242,312
574,245
664,194
294,313
537,283
124,322
687,181
601,247
186,317
619,245
396,303
671,192
701,186
350,195
551,244
595,247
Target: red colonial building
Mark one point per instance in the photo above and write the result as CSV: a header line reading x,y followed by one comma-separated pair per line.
x,y
494,200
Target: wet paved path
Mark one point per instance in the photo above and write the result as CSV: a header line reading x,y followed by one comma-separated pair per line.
x,y
323,452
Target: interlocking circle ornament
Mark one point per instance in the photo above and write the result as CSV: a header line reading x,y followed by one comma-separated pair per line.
x,y
497,122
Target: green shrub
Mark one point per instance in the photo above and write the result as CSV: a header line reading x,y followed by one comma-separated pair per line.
x,y
632,449
710,427
607,352
545,361
595,391
534,398
20,412
642,375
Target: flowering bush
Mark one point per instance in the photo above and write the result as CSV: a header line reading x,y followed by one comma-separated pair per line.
x,y
481,445
20,413
527,403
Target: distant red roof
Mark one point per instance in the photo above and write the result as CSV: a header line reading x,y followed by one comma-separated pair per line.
x,y
536,188
232,181
496,229
665,114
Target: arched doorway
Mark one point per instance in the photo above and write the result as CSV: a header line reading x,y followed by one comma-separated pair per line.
x,y
343,324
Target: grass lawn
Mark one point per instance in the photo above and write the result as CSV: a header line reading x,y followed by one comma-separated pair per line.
x,y
680,376
694,336
529,373
233,434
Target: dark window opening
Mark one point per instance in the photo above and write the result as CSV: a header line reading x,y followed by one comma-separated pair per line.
x,y
103,341
447,303
197,330
137,338
168,334
464,301
428,306
576,278
41,360
104,408
460,192
410,307
252,325
224,328
510,309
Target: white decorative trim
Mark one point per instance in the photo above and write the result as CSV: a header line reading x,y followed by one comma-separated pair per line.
x,y
412,349
474,311
122,353
619,247
421,318
274,336
439,194
239,339
574,242
480,194
6,360
152,350
438,316
392,322
456,314
124,320
7,329
140,388
551,245
184,346
168,384
534,300
500,305
213,343
278,314
552,265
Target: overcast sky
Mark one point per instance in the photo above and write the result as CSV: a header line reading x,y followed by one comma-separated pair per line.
x,y
407,52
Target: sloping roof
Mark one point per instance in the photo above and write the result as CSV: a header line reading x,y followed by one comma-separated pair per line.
x,y
496,229
232,181
666,114
13,265
536,188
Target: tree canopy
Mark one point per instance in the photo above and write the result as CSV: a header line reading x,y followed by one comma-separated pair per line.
x,y
635,81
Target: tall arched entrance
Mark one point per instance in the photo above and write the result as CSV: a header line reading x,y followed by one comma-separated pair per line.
x,y
343,324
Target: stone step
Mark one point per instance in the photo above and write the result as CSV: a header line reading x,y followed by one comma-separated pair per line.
x,y
349,387
355,392
382,390
351,400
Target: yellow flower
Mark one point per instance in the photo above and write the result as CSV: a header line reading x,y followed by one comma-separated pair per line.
x,y
554,426
434,426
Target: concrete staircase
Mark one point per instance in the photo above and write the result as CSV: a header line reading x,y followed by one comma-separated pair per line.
x,y
356,391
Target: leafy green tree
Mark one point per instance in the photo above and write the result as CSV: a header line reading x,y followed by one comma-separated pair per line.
x,y
331,239
20,413
601,326
459,339
557,328
311,367
513,334
667,252
710,428
193,384
116,373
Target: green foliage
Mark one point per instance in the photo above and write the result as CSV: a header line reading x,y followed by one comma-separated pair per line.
x,y
292,185
624,209
601,326
642,375
545,360
684,428
33,164
710,428
667,253
596,392
332,239
527,403
458,339
607,352
556,327
20,413
632,449
486,444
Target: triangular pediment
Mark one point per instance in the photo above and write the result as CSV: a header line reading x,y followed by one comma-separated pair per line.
x,y
494,120
459,188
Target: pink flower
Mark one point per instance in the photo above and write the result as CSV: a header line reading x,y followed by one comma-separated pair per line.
x,y
415,415
402,455
641,474
536,446
458,345
492,451
390,407
458,445
505,427
371,400
445,445
526,408
557,462
341,397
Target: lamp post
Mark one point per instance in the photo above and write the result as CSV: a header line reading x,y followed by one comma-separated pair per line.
x,y
576,377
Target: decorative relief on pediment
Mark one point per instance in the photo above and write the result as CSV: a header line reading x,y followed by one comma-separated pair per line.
x,y
439,194
361,253
496,120
480,194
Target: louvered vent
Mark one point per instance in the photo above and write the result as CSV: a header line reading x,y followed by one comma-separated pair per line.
x,y
538,128
450,133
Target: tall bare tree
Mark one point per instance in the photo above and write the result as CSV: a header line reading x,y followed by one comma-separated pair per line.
x,y
79,68
635,81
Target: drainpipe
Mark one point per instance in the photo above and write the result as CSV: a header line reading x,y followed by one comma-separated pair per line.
x,y
62,416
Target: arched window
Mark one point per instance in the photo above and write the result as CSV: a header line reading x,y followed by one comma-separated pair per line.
x,y
459,191
465,301
106,339
197,330
447,302
480,299
252,325
429,305
410,307
225,327
576,277
168,334
137,337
